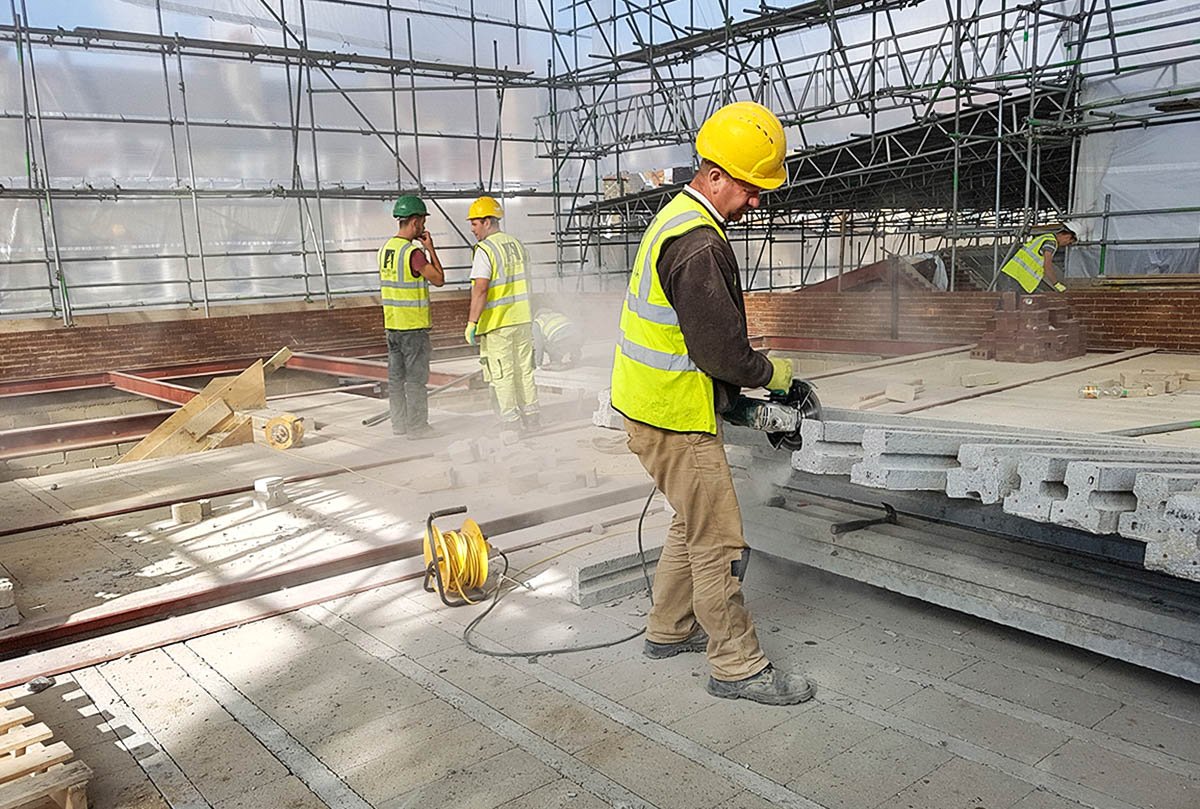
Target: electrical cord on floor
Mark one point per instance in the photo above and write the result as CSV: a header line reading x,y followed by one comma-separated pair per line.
x,y
536,653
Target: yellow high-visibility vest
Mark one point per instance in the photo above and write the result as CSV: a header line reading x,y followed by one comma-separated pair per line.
x,y
654,380
405,298
551,323
1026,266
508,293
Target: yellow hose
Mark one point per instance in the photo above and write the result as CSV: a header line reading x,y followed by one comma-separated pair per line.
x,y
462,557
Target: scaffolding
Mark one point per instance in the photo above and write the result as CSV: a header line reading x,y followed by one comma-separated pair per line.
x,y
230,150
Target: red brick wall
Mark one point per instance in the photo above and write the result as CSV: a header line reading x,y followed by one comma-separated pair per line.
x,y
82,349
1113,320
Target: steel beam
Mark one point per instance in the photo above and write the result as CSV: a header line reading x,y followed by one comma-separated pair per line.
x,y
71,435
884,348
151,388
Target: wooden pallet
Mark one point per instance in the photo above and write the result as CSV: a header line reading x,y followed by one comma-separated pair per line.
x,y
31,769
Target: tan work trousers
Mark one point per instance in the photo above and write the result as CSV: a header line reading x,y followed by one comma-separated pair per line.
x,y
507,357
693,581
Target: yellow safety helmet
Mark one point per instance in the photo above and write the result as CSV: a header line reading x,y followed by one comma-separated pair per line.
x,y
485,207
747,140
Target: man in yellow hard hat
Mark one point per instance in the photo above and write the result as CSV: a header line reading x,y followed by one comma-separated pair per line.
x,y
500,316
405,273
1031,269
680,361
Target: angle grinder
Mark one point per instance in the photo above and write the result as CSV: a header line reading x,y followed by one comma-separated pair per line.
x,y
779,415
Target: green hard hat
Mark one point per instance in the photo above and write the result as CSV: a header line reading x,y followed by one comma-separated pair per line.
x,y
409,206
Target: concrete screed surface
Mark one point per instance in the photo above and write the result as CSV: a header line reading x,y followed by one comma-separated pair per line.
x,y
373,700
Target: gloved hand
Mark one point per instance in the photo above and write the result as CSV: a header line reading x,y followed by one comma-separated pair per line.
x,y
1059,288
781,376
469,334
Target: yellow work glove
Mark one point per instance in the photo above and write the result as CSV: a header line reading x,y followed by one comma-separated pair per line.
x,y
781,374
1059,288
469,334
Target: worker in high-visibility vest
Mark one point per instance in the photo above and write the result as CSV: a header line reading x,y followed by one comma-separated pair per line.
x,y
682,356
1031,269
408,264
556,339
499,318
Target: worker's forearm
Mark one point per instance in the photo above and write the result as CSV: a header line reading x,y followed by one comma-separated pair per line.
x,y
479,288
436,275
1048,273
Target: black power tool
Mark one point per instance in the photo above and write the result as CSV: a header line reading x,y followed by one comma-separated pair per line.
x,y
779,415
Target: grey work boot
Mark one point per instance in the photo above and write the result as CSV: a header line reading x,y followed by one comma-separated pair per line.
x,y
695,642
770,687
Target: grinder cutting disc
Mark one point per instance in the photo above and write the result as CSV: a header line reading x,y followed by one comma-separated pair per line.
x,y
803,397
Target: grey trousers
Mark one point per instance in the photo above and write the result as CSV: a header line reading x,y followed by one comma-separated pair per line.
x,y
408,374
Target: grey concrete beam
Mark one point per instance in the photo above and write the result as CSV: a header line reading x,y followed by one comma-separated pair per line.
x,y
1152,490
1178,553
1098,492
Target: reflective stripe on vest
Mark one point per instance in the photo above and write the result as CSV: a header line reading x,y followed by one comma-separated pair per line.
x,y
405,299
1026,266
654,380
507,301
552,324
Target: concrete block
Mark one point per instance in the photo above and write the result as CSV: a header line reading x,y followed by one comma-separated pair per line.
x,y
565,482
269,493
510,437
739,457
474,475
591,478
609,579
1041,487
463,452
186,513
436,481
981,378
9,616
1152,490
91,453
903,472
1178,552
206,509
1098,492
7,593
523,484
901,392
988,471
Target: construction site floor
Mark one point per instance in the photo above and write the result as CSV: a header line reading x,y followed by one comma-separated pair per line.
x,y
373,699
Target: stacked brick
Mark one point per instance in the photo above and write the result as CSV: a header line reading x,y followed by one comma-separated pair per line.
x,y
1031,328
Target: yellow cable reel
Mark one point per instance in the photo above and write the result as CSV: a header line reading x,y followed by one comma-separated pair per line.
x,y
455,561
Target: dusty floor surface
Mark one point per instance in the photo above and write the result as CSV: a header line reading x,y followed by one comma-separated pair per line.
x,y
373,700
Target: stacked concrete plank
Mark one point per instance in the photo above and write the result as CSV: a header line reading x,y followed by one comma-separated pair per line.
x,y
1103,485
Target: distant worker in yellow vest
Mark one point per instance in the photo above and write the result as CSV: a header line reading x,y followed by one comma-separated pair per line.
x,y
405,273
500,316
681,359
557,341
1031,270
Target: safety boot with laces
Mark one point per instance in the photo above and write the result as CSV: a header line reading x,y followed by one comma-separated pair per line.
x,y
770,687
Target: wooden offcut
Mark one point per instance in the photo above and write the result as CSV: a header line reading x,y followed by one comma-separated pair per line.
x,y
32,772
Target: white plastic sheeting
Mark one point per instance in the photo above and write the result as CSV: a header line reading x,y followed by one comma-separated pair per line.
x,y
1142,169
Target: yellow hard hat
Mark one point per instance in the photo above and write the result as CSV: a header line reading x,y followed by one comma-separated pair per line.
x,y
747,140
485,207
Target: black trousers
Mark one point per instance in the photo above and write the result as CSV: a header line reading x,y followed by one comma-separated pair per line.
x,y
408,374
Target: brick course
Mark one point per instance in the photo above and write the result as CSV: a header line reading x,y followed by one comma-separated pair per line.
x,y
1113,321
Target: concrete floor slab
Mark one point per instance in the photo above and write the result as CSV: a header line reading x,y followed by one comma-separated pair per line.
x,y
309,720
858,680
400,769
560,794
787,614
1044,799
485,784
1155,731
661,776
960,783
1169,695
1024,741
420,726
557,718
667,702
910,652
223,761
1137,783
286,793
811,737
725,723
1066,702
636,672
870,772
